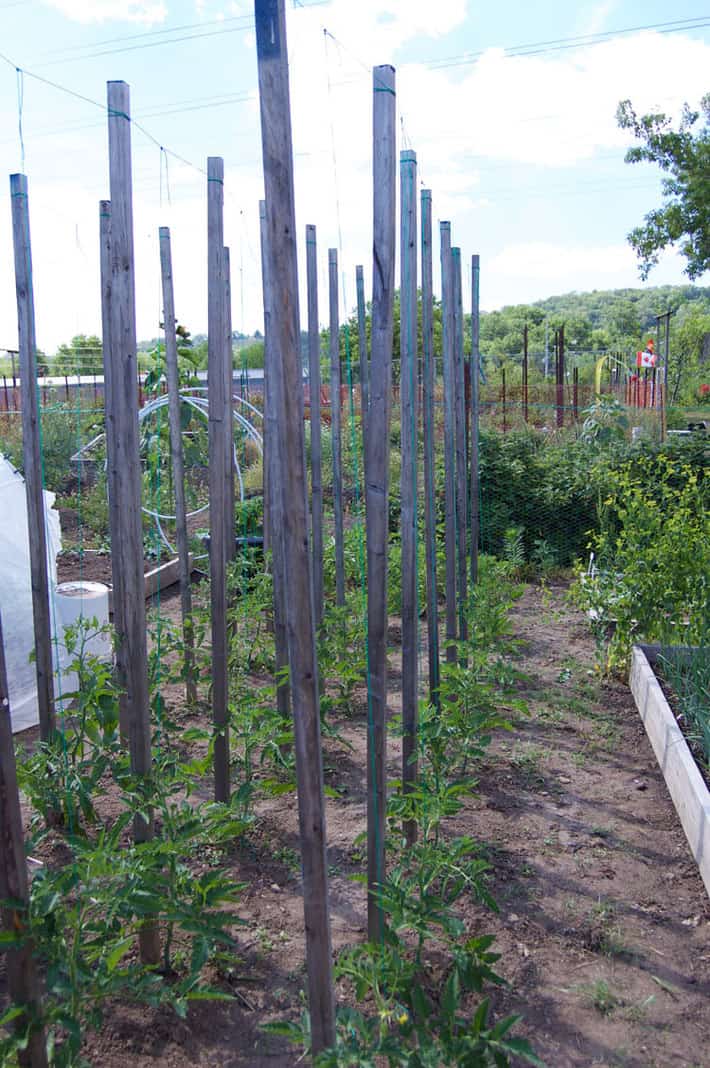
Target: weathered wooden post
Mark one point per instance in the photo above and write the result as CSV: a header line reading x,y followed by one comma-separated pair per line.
x,y
335,425
173,381
216,334
525,372
362,343
461,465
22,979
561,376
447,340
272,56
112,459
475,406
32,455
127,554
230,544
432,612
272,406
409,444
316,453
503,397
377,450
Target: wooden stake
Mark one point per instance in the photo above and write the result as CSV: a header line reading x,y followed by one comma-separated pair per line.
x,y
314,386
272,405
432,612
272,53
503,398
362,343
217,477
448,341
377,453
22,980
127,553
461,465
561,376
525,372
475,405
335,425
409,438
32,455
112,459
230,544
173,380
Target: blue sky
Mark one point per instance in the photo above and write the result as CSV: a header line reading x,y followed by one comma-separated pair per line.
x,y
521,152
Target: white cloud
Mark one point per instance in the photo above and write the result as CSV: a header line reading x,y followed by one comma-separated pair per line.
x,y
528,271
547,261
147,12
595,20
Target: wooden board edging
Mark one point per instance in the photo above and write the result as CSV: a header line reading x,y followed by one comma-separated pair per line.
x,y
159,578
685,784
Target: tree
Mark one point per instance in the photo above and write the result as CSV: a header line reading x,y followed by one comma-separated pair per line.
x,y
82,356
684,154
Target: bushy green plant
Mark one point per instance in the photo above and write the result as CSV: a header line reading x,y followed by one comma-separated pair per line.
x,y
653,555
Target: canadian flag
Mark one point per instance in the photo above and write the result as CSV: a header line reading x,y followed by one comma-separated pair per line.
x,y
646,359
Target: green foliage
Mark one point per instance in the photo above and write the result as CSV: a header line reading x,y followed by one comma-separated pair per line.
x,y
82,356
684,155
85,914
605,421
342,654
687,670
652,553
63,776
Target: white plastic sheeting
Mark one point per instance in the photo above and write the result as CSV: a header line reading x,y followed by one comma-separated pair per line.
x,y
16,590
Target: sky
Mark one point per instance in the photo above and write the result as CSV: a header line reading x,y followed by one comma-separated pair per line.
x,y
510,108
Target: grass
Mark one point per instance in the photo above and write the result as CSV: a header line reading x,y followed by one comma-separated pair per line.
x,y
527,758
601,996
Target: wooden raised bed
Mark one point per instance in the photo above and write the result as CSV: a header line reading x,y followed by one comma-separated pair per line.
x,y
686,785
161,577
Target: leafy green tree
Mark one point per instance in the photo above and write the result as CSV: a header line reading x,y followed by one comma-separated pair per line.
x,y
684,155
82,356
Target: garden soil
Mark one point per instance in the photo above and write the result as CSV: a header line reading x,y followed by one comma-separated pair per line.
x,y
604,925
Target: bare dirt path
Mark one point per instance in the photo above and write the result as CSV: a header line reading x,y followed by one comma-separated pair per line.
x,y
604,924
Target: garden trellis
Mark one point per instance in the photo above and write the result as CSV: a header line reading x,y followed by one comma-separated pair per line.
x,y
428,409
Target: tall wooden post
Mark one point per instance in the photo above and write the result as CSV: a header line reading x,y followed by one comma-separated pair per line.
x,y
32,455
173,380
22,979
127,554
575,393
503,397
335,425
316,454
561,376
272,405
461,465
448,343
377,489
230,545
525,372
475,406
112,459
272,56
217,478
362,342
432,609
409,444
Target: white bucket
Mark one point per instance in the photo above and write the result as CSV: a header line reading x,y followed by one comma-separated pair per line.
x,y
75,601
